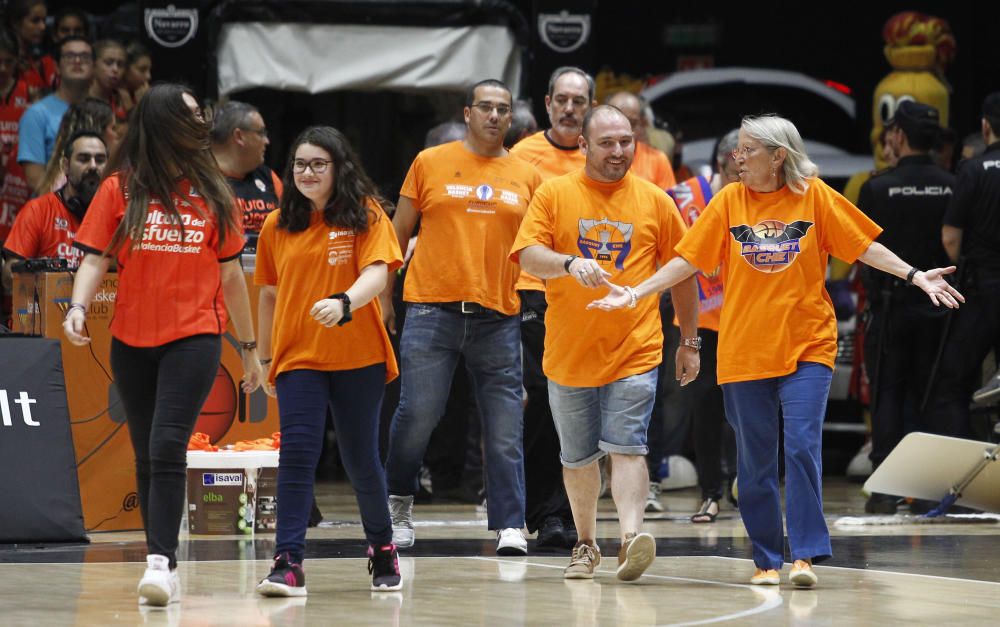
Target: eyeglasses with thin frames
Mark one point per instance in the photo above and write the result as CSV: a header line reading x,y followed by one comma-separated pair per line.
x,y
747,151
259,131
487,107
318,166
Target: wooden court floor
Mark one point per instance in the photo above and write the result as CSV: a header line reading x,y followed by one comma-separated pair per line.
x,y
901,573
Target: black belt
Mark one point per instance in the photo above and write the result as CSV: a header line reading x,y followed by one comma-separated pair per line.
x,y
467,308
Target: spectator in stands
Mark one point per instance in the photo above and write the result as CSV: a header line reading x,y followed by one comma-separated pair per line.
x,y
40,123
90,115
109,73
138,72
27,19
14,190
69,22
649,163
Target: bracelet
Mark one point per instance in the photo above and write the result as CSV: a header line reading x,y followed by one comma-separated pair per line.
x,y
633,294
909,276
249,346
569,262
72,306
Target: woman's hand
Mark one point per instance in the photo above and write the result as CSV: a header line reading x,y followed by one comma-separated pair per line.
x,y
328,311
253,373
73,327
616,298
939,291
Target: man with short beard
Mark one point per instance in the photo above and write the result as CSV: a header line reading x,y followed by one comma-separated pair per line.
x,y
581,230
40,123
47,225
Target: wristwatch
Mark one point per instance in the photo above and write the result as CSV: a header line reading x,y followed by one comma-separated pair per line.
x,y
344,298
691,342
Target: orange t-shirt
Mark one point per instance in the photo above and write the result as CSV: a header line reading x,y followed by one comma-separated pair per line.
x,y
169,285
551,160
653,165
630,227
775,248
310,265
691,197
470,207
45,228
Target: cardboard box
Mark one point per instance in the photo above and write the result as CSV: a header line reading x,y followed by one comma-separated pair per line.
x,y
224,491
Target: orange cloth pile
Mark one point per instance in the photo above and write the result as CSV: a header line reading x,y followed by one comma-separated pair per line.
x,y
201,442
272,443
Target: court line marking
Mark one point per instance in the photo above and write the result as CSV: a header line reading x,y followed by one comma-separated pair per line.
x,y
771,601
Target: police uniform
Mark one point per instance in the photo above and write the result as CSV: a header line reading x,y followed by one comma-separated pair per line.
x,y
905,327
975,330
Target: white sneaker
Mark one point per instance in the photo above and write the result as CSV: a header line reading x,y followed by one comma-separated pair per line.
x,y
653,503
401,512
511,541
159,585
681,474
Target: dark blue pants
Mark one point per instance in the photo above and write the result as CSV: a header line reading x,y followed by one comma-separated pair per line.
x,y
355,396
752,409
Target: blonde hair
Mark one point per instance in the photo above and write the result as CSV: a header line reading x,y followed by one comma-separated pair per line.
x,y
777,132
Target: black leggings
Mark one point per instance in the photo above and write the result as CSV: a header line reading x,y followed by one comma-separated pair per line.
x,y
163,389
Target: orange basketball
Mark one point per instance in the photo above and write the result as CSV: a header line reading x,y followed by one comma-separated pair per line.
x,y
769,228
219,410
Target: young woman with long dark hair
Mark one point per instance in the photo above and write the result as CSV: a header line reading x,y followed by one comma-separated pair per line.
x,y
167,217
321,261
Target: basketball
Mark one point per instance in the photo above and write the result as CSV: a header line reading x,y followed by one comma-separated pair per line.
x,y
769,228
219,410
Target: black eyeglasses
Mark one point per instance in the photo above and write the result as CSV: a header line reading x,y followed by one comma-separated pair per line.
x,y
487,107
318,166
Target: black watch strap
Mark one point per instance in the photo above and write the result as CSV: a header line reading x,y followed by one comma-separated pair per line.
x,y
344,298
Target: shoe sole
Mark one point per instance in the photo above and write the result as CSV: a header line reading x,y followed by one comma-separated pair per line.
x,y
403,543
803,579
273,589
765,581
589,575
658,507
398,586
154,595
986,397
639,555
511,551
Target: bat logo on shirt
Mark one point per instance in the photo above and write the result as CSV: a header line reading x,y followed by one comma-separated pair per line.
x,y
770,245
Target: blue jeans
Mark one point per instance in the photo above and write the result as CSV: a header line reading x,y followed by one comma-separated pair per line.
x,y
355,396
433,338
594,421
752,409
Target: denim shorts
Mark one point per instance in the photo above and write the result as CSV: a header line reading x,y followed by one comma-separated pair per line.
x,y
613,418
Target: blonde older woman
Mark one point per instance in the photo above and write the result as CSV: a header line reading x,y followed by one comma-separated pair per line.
x,y
775,232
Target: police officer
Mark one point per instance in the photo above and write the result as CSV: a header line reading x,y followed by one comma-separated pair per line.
x,y
971,236
904,329
239,141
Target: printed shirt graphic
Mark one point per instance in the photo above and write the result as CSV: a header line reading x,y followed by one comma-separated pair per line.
x,y
310,265
550,161
169,285
691,198
257,195
775,248
14,191
629,227
470,207
45,228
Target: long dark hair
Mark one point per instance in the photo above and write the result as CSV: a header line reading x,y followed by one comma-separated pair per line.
x,y
166,143
352,188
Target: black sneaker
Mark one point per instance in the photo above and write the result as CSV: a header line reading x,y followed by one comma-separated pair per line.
x,y
383,566
287,579
552,534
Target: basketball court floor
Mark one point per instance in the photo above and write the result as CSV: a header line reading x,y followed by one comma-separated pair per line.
x,y
899,571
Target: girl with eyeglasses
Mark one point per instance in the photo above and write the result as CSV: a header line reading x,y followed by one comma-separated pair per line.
x,y
321,261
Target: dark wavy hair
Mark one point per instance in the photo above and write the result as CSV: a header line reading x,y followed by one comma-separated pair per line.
x,y
164,144
352,189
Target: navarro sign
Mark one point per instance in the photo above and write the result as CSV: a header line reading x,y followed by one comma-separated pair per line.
x,y
171,27
563,32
